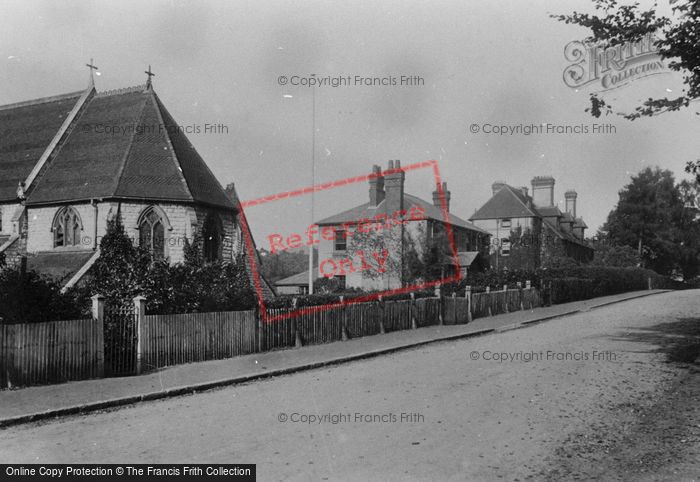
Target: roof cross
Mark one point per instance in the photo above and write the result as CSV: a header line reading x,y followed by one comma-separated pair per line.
x,y
149,74
92,68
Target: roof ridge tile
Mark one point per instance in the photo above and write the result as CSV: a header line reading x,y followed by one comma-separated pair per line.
x,y
42,100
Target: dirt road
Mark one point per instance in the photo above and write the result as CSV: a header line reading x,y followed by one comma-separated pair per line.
x,y
611,394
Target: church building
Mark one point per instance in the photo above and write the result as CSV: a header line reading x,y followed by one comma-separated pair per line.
x,y
70,162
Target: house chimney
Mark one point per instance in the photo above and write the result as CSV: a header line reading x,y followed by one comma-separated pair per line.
x,y
523,189
497,186
376,186
543,191
437,202
394,179
393,187
570,197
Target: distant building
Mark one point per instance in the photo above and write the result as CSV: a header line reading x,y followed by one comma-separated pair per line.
x,y
527,230
297,284
425,224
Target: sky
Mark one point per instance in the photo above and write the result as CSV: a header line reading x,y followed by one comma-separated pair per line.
x,y
496,63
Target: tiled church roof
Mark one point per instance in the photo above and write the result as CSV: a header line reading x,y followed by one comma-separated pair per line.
x,y
143,156
26,130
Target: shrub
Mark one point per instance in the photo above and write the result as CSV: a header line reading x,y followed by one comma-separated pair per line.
x,y
32,298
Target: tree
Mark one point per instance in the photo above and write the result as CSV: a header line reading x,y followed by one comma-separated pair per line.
x,y
614,255
677,39
276,266
28,297
120,271
651,217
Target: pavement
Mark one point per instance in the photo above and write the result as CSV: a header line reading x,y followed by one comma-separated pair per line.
x,y
45,402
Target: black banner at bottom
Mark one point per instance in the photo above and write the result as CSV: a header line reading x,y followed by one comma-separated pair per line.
x,y
238,472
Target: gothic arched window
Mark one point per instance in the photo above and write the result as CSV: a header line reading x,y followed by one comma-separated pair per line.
x,y
211,234
66,228
152,233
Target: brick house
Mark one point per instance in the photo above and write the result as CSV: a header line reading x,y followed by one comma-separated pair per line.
x,y
424,223
527,231
70,162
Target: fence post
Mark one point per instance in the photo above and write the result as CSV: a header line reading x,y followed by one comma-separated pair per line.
x,y
261,332
649,281
344,319
520,295
505,299
454,307
441,305
468,295
382,330
549,297
543,294
488,292
412,311
98,315
140,313
295,328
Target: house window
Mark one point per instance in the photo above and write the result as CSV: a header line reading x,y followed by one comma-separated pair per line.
x,y
341,242
66,228
505,247
152,233
505,223
211,233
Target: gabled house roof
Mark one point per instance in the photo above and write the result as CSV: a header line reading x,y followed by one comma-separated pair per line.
x,y
563,234
579,223
143,155
299,279
567,218
26,130
366,211
508,202
550,211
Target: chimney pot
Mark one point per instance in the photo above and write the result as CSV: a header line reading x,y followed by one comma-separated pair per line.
x,y
437,202
497,186
376,186
570,197
543,191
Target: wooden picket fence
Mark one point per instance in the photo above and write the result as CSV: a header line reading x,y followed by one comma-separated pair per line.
x,y
59,351
51,352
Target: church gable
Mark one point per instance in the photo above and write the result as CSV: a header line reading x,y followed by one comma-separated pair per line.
x,y
89,163
27,130
201,181
126,145
151,168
